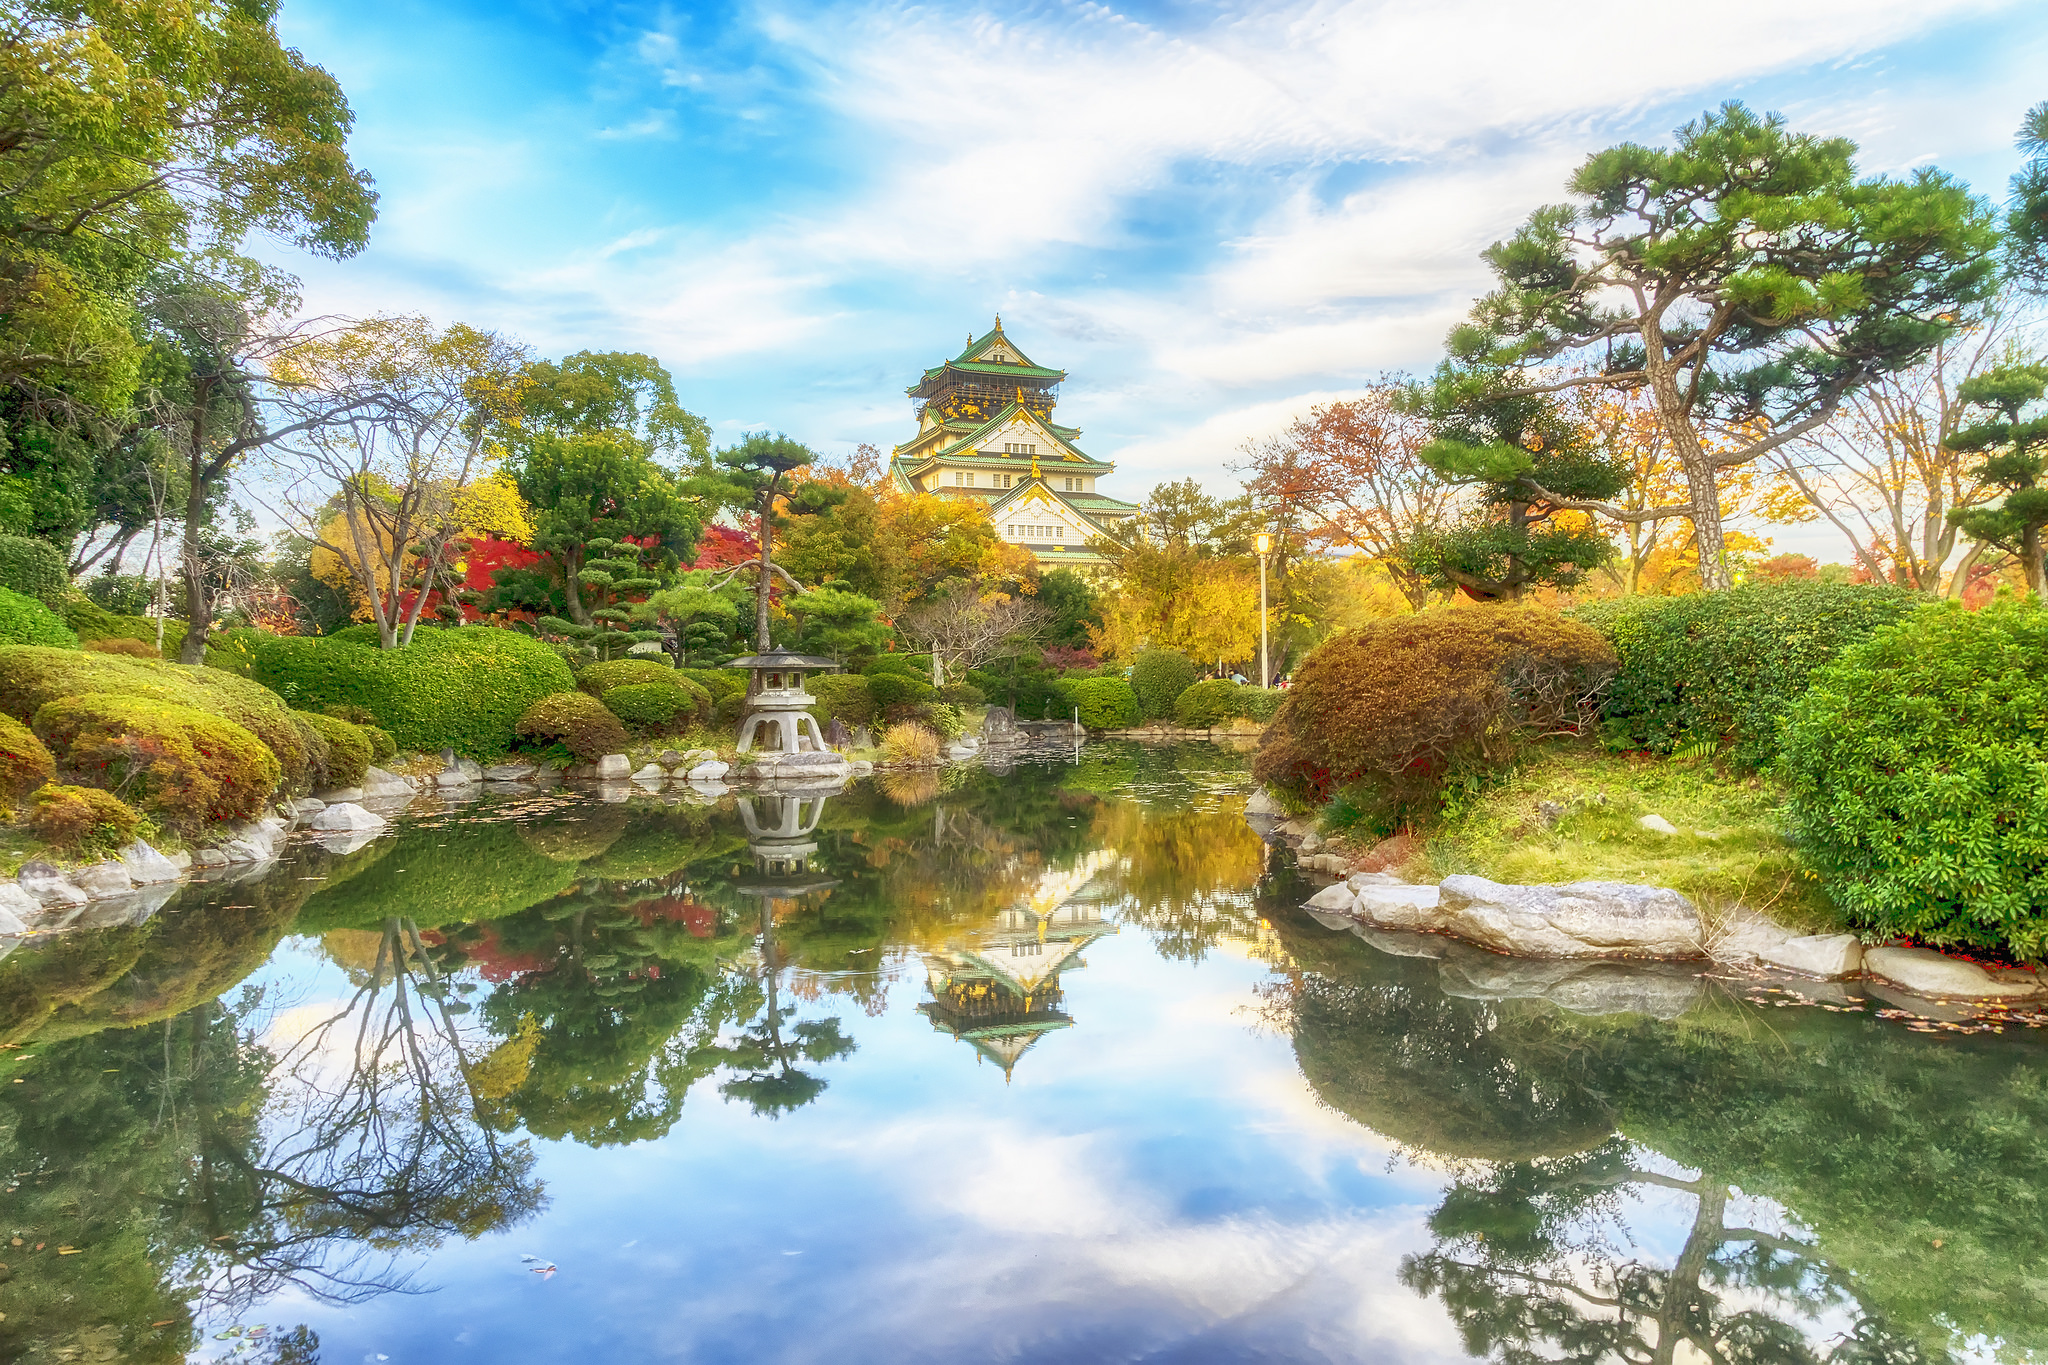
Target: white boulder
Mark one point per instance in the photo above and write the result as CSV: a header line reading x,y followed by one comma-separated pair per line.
x,y
147,867
1575,919
47,885
510,772
1398,906
614,768
1657,824
652,774
1262,803
347,817
17,908
711,770
379,782
1926,972
1338,898
1827,956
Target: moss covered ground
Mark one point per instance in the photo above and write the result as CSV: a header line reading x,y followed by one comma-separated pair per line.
x,y
1730,847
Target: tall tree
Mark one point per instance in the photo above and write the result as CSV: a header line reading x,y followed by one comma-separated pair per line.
x,y
756,475
1744,278
2026,222
2012,448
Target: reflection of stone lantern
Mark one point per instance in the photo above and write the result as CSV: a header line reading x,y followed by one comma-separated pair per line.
x,y
776,715
780,834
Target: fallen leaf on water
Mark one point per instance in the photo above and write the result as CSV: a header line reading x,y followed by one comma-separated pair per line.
x,y
69,1251
167,1322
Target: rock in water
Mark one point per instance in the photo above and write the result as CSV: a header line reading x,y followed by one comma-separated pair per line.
x,y
1262,803
347,817
1398,906
1827,956
711,771
510,772
47,885
379,782
17,908
1926,972
1576,919
147,867
1338,898
653,774
614,768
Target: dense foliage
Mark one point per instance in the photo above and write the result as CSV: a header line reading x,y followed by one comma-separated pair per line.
x,y
1918,767
668,705
184,765
92,621
843,696
82,820
24,761
1720,668
1104,703
1158,677
24,620
1209,704
578,722
349,751
463,689
32,568
1398,706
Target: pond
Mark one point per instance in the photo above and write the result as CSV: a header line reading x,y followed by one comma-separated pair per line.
x,y
1039,1065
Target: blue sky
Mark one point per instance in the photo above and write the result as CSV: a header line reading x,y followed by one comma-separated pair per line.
x,y
1211,216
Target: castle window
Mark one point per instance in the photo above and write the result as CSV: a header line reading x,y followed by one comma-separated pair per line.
x,y
1017,448
962,480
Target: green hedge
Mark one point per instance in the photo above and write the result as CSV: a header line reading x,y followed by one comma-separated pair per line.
x,y
576,721
669,704
25,762
896,690
94,622
463,689
32,677
1918,766
1158,678
33,568
349,751
843,696
185,765
600,678
1723,666
1104,703
24,620
917,666
719,682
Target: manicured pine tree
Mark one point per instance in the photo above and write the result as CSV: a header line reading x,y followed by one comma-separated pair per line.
x,y
2014,450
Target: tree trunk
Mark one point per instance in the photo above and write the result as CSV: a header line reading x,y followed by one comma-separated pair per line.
x,y
767,579
1708,542
2031,547
572,592
198,609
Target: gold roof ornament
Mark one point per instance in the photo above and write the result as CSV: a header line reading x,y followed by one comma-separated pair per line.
x,y
1034,468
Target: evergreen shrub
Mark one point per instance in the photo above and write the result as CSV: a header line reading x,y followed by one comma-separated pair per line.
x,y
31,678
24,620
962,694
918,666
382,745
600,678
185,765
1393,709
1722,666
1208,704
1104,703
576,721
349,751
93,621
120,644
1259,703
24,761
843,696
896,691
670,704
1158,677
33,568
719,682
1918,768
463,688
82,819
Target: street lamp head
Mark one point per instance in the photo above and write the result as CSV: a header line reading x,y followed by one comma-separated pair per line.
x,y
1265,542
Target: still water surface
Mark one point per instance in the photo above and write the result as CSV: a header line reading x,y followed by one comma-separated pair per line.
x,y
1031,1066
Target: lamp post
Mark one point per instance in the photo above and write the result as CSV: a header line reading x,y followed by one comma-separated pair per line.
x,y
1265,545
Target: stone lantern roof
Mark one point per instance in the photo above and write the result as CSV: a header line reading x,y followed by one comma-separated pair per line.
x,y
783,659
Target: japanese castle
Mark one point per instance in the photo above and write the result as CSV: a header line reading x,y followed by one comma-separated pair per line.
x,y
985,430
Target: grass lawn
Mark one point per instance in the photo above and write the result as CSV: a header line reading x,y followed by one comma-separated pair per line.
x,y
1729,848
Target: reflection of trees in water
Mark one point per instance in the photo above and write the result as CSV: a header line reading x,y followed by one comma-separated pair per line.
x,y
1917,1162
1182,875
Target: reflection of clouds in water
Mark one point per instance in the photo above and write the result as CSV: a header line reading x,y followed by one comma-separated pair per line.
x,y
295,1033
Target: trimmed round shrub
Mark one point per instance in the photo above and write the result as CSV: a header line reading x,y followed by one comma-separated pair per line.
x,y
1208,704
185,765
600,678
349,751
1259,703
463,689
92,621
33,568
1396,707
1104,703
31,678
1159,676
962,694
82,819
893,690
909,742
382,746
719,682
313,745
1722,667
24,761
1918,767
577,721
918,666
134,649
354,715
843,696
667,705
26,621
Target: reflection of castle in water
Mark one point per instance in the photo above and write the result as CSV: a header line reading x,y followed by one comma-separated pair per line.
x,y
998,988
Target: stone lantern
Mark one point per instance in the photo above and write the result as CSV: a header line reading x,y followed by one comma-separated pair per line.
x,y
777,717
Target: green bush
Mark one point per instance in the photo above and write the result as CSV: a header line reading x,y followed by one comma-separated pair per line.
x,y
463,689
349,751
918,666
1391,711
383,747
600,678
577,721
1159,677
1722,667
670,704
93,621
24,761
184,764
1104,703
33,568
133,649
1918,766
82,820
843,696
719,682
24,620
1208,704
962,694
31,678
894,691
1260,703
